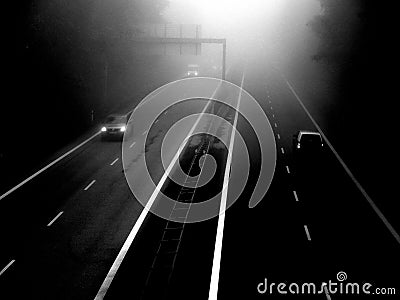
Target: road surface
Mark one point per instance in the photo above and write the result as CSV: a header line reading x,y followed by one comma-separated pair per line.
x,y
63,230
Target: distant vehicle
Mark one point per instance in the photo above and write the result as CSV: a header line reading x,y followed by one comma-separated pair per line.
x,y
114,126
193,70
307,142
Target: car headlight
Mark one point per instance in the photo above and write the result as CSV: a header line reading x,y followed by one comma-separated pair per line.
x,y
103,129
298,146
123,128
195,73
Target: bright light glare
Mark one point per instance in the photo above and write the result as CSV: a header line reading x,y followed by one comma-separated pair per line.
x,y
237,11
103,129
123,128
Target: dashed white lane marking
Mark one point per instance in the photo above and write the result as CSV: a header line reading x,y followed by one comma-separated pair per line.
x,y
213,292
276,125
282,150
272,108
287,169
345,167
144,132
55,218
114,161
48,166
328,297
6,267
156,121
129,240
279,136
273,115
133,144
307,232
89,185
295,196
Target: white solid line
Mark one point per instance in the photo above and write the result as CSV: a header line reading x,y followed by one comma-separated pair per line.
x,y
307,232
89,185
114,161
282,150
55,218
328,297
213,292
46,167
295,196
287,169
346,168
133,144
129,240
6,267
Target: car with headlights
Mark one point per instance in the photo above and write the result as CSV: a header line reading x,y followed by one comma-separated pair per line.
x,y
307,142
193,70
307,149
114,126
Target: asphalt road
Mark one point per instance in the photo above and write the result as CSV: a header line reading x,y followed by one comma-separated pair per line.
x,y
62,231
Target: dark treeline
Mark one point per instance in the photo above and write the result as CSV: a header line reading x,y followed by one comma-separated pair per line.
x,y
356,42
58,56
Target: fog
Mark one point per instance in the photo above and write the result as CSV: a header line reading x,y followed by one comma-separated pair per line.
x,y
64,61
329,50
271,30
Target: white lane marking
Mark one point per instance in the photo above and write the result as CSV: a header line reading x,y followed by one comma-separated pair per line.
x,y
114,161
272,108
295,196
144,132
307,232
276,126
273,115
282,150
129,240
7,266
48,166
133,144
346,168
89,185
55,218
287,169
156,121
328,296
212,295
279,137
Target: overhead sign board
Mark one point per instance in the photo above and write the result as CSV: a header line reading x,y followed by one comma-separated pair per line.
x,y
166,32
